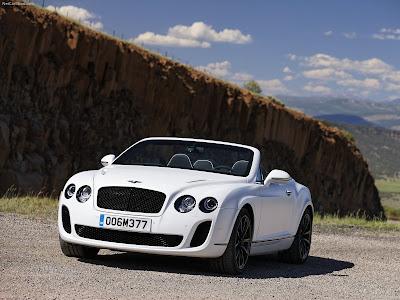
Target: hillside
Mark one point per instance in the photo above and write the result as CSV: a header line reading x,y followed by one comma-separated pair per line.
x,y
380,147
346,118
386,115
69,95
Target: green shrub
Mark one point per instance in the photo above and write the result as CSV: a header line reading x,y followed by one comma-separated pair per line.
x,y
348,135
275,100
326,123
253,86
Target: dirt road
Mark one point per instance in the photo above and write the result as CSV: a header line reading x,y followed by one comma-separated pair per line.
x,y
356,266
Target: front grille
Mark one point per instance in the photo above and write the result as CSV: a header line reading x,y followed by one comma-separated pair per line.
x,y
66,221
125,237
130,199
200,234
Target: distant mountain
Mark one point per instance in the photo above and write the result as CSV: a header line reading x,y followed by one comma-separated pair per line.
x,y
380,147
386,115
348,119
395,102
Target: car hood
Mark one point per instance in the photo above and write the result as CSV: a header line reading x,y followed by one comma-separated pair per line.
x,y
166,180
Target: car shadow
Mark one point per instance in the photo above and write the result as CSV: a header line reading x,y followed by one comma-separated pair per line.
x,y
259,267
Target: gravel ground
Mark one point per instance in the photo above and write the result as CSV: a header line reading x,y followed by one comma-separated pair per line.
x,y
357,266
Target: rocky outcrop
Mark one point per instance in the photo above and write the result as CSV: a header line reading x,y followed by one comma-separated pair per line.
x,y
69,95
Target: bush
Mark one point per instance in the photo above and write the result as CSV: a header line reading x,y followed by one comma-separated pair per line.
x,y
253,86
348,135
326,123
275,100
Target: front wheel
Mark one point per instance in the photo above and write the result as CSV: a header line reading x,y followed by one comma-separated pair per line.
x,y
300,249
79,251
235,257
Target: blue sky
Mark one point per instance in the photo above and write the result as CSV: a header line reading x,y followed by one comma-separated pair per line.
x,y
304,48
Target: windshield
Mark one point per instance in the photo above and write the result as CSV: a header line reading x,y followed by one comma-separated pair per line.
x,y
190,155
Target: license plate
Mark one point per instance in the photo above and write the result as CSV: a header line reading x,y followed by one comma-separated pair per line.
x,y
125,223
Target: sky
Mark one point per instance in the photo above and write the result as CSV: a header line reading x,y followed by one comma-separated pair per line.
x,y
290,47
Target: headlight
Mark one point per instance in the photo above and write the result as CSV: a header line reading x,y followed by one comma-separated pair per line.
x,y
185,204
69,191
208,204
83,193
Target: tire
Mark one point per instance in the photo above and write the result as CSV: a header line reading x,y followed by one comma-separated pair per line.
x,y
300,248
79,251
234,259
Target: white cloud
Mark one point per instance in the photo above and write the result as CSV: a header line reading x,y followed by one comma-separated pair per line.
x,y
198,34
79,14
317,89
328,33
369,66
288,78
326,74
219,69
387,34
202,31
393,76
350,35
292,56
151,38
393,87
287,70
272,86
365,93
368,83
242,76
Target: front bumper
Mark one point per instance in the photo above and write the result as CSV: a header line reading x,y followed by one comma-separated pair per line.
x,y
175,230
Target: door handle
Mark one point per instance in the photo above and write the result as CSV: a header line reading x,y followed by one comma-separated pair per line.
x,y
288,192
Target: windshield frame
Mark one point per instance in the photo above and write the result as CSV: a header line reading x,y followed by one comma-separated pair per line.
x,y
192,143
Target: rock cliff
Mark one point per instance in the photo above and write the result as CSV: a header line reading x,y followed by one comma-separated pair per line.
x,y
69,95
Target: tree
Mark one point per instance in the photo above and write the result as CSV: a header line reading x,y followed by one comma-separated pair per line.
x,y
253,86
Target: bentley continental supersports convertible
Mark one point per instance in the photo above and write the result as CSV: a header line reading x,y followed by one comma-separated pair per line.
x,y
187,197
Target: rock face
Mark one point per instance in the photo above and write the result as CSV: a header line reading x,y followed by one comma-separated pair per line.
x,y
69,95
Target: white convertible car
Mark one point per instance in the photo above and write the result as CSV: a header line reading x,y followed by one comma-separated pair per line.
x,y
188,197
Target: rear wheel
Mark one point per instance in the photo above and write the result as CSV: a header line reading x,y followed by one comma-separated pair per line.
x,y
235,257
300,249
79,251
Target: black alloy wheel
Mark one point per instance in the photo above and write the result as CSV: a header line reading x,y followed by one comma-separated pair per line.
x,y
243,242
236,255
305,236
300,248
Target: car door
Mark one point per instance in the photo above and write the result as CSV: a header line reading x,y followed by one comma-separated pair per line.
x,y
277,204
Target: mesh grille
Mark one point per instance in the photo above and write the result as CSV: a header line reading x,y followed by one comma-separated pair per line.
x,y
130,199
200,234
125,237
65,219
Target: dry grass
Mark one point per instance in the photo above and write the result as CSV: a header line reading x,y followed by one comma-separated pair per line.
x,y
354,221
37,206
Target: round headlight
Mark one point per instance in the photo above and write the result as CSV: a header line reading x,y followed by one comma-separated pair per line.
x,y
208,204
69,191
185,204
83,193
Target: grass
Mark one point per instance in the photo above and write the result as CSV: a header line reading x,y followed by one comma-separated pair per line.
x,y
354,221
36,206
388,185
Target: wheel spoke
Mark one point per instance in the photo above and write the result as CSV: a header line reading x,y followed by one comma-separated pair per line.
x,y
243,242
245,250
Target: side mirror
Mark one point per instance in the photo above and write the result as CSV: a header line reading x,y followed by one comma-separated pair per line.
x,y
277,176
107,160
